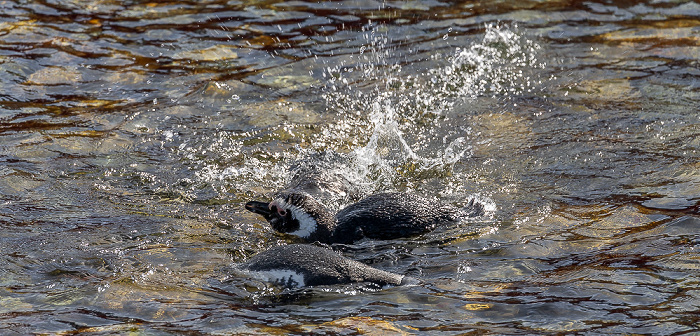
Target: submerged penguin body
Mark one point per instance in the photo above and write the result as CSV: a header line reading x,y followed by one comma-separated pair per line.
x,y
380,216
300,265
390,216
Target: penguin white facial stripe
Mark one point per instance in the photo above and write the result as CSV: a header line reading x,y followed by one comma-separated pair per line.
x,y
307,224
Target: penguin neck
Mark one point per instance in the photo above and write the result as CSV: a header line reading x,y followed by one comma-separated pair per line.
x,y
323,234
325,222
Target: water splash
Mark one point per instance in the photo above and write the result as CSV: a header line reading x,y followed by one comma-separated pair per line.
x,y
496,66
373,94
393,127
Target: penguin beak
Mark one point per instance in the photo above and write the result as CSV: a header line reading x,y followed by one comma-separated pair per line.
x,y
278,220
261,208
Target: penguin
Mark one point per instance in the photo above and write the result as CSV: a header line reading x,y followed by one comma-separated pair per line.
x,y
302,265
380,216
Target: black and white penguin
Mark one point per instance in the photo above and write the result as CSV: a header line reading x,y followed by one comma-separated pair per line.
x,y
301,265
380,216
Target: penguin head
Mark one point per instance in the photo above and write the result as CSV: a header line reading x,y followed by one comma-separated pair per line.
x,y
296,213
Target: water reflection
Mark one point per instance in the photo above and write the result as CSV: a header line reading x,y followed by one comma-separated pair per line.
x,y
132,134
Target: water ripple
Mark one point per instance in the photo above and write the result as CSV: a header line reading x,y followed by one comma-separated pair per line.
x,y
131,133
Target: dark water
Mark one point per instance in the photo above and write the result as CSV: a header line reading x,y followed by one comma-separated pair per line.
x,y
131,134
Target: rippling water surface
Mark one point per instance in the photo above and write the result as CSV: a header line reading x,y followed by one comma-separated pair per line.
x,y
132,133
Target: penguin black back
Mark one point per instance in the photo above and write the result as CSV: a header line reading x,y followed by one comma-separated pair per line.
x,y
391,216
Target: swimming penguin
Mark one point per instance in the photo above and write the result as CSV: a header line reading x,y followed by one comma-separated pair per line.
x,y
300,265
380,216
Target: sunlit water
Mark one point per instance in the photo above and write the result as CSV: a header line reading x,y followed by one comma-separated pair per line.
x,y
131,135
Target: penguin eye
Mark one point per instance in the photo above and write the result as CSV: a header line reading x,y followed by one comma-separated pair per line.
x,y
282,212
279,210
